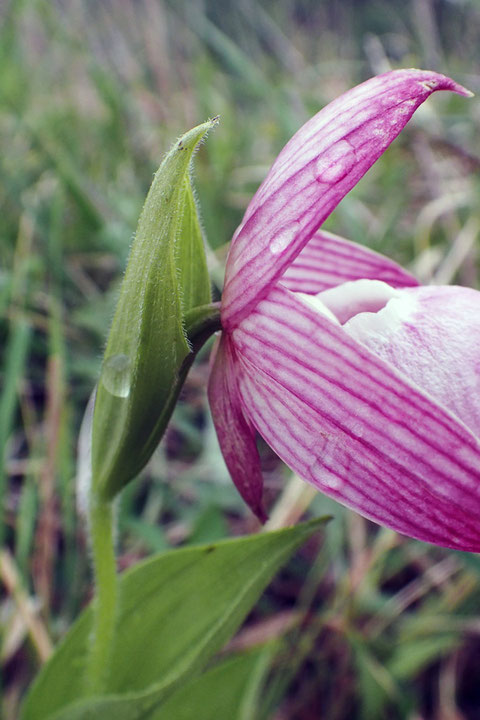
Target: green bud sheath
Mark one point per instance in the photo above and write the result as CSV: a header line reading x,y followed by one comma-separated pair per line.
x,y
147,352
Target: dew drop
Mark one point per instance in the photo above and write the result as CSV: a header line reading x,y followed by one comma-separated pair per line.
x,y
283,239
116,375
320,471
327,478
335,163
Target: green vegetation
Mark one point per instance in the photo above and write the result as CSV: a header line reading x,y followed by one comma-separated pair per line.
x,y
367,624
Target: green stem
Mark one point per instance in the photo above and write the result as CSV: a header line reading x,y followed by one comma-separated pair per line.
x,y
104,564
201,322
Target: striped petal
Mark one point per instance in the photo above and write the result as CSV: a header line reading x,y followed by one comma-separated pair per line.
x,y
432,335
235,434
329,260
314,171
353,426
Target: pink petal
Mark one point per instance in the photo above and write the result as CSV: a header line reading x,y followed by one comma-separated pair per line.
x,y
235,434
432,335
353,426
329,260
314,171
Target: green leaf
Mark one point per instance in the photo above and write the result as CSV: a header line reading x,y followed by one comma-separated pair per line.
x,y
223,692
176,610
409,659
147,344
16,357
376,686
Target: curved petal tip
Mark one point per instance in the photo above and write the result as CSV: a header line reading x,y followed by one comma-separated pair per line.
x,y
433,81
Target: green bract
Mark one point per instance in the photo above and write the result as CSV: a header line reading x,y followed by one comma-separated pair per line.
x,y
148,353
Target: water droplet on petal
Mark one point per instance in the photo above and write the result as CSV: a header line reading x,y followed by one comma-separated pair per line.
x,y
283,238
116,375
321,473
326,477
335,163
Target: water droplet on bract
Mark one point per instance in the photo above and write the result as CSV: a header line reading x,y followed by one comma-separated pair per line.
x,y
116,375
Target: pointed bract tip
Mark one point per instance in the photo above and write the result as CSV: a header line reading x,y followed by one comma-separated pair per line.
x,y
194,137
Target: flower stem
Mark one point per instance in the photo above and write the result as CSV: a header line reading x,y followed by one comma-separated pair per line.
x,y
104,565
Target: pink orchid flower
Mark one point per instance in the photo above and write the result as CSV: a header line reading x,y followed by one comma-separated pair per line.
x,y
364,383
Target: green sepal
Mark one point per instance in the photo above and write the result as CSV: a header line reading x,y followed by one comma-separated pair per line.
x,y
147,349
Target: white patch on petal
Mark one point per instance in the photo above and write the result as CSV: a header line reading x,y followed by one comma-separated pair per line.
x,y
432,335
383,323
315,302
358,296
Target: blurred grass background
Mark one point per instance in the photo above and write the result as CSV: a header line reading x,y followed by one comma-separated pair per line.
x,y
369,625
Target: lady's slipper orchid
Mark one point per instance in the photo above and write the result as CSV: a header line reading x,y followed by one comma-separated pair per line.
x,y
365,384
